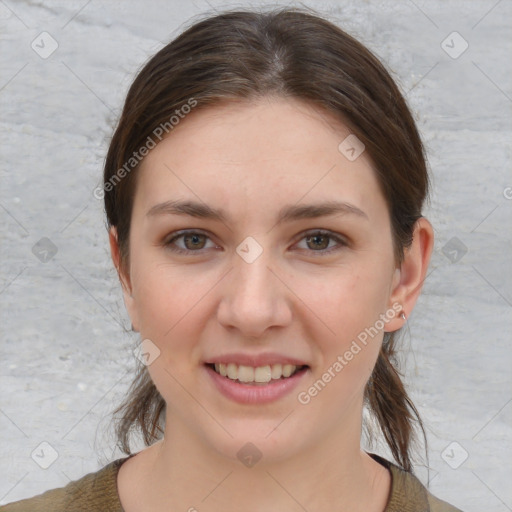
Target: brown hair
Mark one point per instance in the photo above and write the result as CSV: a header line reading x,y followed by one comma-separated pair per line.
x,y
286,52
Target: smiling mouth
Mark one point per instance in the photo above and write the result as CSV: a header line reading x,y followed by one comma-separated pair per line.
x,y
260,375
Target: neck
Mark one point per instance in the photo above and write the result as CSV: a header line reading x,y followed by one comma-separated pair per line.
x,y
184,473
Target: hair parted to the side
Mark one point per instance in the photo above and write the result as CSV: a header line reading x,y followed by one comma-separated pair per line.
x,y
287,52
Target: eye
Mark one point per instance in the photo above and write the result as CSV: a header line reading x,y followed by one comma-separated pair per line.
x,y
317,240
195,241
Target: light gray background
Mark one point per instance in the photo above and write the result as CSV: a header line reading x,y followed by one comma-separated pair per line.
x,y
66,357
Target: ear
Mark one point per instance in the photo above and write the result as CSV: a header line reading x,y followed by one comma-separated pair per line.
x,y
408,279
124,278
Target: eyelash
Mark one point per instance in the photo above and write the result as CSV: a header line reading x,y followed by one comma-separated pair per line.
x,y
342,242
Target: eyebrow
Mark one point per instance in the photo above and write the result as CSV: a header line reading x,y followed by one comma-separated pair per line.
x,y
286,214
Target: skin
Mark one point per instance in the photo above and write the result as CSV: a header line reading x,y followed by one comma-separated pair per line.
x,y
251,158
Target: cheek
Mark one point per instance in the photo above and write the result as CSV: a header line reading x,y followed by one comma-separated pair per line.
x,y
350,348
344,300
169,307
349,329
165,293
338,390
173,308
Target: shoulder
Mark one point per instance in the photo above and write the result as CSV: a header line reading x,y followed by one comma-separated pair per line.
x,y
93,492
408,493
437,505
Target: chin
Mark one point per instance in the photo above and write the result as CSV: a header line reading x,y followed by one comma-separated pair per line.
x,y
256,441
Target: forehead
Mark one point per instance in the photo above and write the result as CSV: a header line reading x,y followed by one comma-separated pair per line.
x,y
257,155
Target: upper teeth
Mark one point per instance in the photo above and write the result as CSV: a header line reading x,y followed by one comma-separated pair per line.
x,y
258,374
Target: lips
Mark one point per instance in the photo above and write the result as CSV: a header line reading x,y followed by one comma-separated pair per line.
x,y
255,392
255,378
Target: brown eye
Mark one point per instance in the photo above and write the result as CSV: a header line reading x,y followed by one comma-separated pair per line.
x,y
318,241
193,241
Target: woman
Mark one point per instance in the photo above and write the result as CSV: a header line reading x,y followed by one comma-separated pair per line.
x,y
263,191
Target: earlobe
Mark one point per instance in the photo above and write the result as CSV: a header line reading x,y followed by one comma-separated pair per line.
x,y
409,278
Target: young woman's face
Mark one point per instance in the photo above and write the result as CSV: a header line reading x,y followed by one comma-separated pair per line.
x,y
261,287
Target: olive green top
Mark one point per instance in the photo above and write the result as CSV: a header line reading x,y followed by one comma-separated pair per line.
x,y
97,492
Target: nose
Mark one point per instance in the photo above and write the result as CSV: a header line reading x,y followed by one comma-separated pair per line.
x,y
254,298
